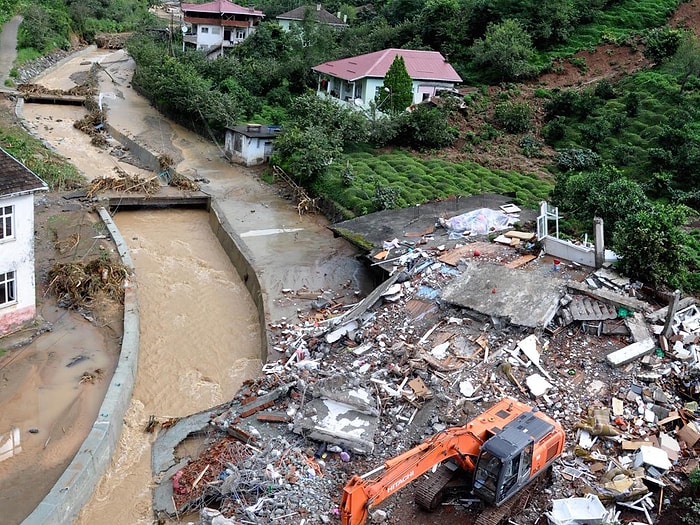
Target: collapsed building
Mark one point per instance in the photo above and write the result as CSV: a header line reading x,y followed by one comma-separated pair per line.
x,y
459,322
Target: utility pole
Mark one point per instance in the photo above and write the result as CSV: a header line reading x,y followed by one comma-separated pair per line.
x,y
170,36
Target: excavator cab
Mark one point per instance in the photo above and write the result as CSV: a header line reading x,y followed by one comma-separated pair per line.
x,y
514,456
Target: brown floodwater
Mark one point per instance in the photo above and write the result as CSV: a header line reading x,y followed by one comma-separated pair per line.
x,y
200,339
44,396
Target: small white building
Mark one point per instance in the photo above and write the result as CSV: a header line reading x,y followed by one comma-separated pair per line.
x,y
251,144
17,282
296,17
356,81
216,26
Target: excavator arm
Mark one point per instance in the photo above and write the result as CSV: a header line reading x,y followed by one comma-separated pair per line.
x,y
360,494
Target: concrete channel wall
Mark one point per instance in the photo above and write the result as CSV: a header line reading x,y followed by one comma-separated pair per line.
x,y
137,150
242,260
75,486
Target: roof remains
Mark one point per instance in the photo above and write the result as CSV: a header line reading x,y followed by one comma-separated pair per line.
x,y
316,12
524,299
421,65
16,178
221,7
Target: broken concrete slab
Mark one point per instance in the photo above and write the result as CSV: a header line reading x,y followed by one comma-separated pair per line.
x,y
638,327
525,299
333,422
649,456
631,352
584,308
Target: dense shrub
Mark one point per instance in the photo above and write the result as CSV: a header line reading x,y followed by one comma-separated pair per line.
x,y
577,159
661,43
514,117
554,130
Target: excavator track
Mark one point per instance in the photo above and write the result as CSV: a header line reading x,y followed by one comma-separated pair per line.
x,y
495,515
429,490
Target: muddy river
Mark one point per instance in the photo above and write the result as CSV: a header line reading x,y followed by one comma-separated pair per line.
x,y
199,340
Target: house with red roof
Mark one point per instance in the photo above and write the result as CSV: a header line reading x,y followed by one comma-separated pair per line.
x,y
17,284
357,80
218,25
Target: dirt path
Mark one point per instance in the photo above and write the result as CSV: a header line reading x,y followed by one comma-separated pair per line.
x,y
8,47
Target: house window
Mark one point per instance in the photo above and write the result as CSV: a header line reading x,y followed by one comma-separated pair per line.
x,y
7,288
7,230
238,143
240,33
204,30
216,30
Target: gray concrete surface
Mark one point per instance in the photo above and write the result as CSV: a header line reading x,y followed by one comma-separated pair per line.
x,y
8,47
517,296
376,228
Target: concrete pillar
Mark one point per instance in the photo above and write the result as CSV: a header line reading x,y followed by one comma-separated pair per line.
x,y
672,309
599,242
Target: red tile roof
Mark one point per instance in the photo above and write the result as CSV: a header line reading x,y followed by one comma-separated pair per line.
x,y
16,178
421,65
221,7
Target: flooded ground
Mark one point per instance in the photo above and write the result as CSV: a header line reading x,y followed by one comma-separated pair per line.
x,y
44,395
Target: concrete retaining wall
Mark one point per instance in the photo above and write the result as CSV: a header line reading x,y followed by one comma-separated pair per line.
x,y
137,150
75,487
243,261
571,252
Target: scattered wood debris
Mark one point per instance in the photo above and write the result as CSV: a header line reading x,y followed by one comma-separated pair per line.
x,y
124,182
81,283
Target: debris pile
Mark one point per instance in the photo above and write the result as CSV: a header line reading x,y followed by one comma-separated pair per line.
x,y
77,284
124,182
37,89
357,384
111,40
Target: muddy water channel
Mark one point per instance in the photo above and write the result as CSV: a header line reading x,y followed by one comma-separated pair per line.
x,y
199,340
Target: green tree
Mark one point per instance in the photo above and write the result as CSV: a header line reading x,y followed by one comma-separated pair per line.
x,y
424,128
396,94
652,245
514,117
662,42
506,50
306,153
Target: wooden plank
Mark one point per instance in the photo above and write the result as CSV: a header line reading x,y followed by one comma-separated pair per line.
x,y
453,256
520,261
523,236
427,231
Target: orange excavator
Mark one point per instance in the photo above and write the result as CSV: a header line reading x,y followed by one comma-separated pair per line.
x,y
502,450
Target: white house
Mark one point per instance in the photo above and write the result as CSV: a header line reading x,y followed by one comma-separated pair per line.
x,y
357,80
295,17
218,25
17,285
250,144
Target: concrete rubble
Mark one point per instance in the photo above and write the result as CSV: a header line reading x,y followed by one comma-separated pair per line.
x,y
456,326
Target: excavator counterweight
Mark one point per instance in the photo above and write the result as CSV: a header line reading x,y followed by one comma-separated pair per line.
x,y
501,450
